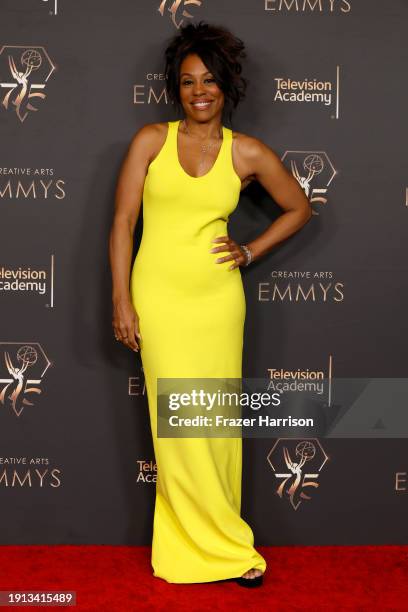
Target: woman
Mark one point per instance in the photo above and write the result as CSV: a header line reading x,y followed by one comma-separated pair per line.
x,y
185,306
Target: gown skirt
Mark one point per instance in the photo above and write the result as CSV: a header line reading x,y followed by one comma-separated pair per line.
x,y
191,318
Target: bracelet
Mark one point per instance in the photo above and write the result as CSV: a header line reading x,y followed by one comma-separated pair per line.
x,y
248,254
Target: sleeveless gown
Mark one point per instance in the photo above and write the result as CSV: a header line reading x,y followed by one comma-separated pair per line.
x,y
191,317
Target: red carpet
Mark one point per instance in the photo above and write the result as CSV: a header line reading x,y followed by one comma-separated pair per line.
x,y
119,579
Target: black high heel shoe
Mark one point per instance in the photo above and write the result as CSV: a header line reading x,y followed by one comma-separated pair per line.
x,y
250,582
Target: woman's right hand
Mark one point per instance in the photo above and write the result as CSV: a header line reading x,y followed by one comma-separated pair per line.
x,y
125,323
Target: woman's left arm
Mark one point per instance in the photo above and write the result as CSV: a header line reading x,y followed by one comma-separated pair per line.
x,y
254,160
264,165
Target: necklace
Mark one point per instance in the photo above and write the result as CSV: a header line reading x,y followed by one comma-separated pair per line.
x,y
203,147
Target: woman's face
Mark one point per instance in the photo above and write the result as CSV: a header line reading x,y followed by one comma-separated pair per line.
x,y
200,95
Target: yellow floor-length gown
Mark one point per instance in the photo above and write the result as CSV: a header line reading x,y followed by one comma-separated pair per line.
x,y
191,316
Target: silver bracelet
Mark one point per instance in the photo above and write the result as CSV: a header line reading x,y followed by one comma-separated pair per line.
x,y
248,254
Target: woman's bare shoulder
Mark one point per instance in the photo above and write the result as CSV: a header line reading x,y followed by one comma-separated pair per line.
x,y
150,137
251,152
151,130
245,148
246,144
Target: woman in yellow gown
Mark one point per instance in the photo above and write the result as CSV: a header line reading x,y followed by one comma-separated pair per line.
x,y
185,304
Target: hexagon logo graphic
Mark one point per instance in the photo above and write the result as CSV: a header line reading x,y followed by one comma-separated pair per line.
x,y
314,172
178,8
23,367
297,464
24,72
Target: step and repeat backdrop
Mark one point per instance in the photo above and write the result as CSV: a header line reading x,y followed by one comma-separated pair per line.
x,y
327,92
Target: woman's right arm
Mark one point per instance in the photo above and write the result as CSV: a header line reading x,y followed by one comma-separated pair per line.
x,y
128,199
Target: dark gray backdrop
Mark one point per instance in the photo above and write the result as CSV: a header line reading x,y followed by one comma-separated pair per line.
x,y
83,435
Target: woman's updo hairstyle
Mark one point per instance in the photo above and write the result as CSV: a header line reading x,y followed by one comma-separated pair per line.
x,y
221,53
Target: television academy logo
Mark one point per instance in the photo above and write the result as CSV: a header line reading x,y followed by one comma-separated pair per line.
x,y
178,8
24,71
20,360
309,91
147,471
298,380
308,167
289,459
25,280
327,7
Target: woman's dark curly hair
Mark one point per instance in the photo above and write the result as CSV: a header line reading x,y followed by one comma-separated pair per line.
x,y
221,53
